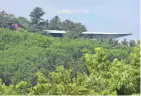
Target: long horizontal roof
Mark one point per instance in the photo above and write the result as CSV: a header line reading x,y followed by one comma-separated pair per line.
x,y
62,32
54,31
103,33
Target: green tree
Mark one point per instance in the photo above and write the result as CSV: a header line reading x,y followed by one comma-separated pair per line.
x,y
5,19
135,62
66,66
124,42
109,40
46,23
68,25
75,32
79,27
55,24
36,20
132,43
71,26
23,21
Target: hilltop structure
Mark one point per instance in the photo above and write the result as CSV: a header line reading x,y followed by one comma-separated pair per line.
x,y
91,35
15,26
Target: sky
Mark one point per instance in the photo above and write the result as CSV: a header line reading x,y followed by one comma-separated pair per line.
x,y
122,16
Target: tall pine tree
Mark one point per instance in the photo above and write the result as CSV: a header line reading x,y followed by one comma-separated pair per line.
x,y
37,23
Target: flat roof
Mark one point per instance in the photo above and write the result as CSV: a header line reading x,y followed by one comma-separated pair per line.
x,y
54,31
103,33
62,32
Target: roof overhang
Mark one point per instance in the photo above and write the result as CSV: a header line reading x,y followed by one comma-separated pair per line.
x,y
55,31
91,34
106,33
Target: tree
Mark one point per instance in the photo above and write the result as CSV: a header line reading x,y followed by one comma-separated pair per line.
x,y
132,43
78,27
68,25
46,23
5,19
71,26
55,24
74,30
135,62
36,20
124,42
109,39
23,21
67,66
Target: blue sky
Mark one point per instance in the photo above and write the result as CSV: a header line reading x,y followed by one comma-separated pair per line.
x,y
97,15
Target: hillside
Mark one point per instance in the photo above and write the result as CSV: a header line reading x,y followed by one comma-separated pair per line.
x,y
31,63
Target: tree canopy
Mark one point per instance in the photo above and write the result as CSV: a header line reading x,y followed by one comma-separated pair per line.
x,y
34,64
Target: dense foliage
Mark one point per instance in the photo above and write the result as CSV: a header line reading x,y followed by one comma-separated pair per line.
x,y
6,19
38,24
35,64
31,63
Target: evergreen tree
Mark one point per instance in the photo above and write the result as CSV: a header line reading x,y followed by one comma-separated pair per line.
x,y
36,20
124,42
46,23
68,25
55,24
132,43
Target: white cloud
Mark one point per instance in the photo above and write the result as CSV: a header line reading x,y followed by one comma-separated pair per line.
x,y
69,11
86,11
66,11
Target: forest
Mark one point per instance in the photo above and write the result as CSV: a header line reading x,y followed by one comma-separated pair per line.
x,y
33,63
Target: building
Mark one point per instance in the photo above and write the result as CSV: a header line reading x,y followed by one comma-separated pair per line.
x,y
91,35
15,26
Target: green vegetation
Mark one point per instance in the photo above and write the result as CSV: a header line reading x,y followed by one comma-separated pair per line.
x,y
38,24
6,18
34,64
